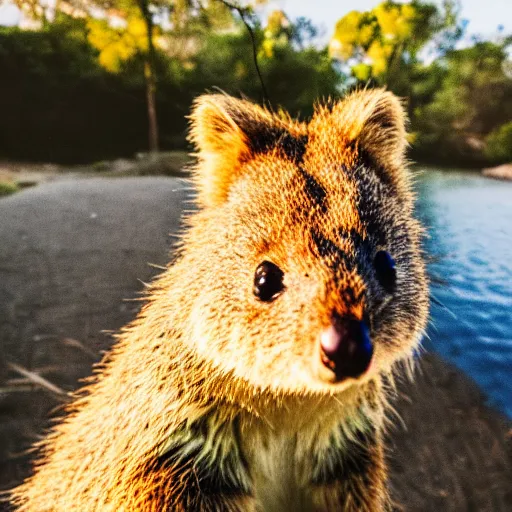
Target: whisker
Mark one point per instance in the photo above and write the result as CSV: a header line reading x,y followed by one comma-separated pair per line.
x,y
437,302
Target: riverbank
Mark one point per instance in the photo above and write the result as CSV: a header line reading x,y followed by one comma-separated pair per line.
x,y
19,175
26,174
72,250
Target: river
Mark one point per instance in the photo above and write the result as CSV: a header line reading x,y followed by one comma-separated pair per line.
x,y
469,222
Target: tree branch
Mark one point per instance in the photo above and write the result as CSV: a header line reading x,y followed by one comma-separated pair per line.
x,y
242,12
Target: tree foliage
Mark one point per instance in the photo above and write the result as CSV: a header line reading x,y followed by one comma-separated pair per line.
x,y
472,96
118,44
499,144
77,89
60,103
380,40
456,100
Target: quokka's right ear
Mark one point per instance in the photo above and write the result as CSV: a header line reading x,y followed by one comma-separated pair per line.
x,y
223,131
374,121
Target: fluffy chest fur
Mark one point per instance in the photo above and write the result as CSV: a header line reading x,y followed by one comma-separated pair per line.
x,y
280,473
278,458
295,458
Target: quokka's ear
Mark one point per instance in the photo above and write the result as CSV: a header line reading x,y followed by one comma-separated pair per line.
x,y
375,121
225,132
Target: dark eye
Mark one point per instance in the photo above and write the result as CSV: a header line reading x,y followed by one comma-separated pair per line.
x,y
268,281
385,267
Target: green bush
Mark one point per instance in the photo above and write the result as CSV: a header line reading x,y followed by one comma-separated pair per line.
x,y
58,104
7,188
499,144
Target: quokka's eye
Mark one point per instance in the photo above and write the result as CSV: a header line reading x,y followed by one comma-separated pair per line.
x,y
384,265
268,281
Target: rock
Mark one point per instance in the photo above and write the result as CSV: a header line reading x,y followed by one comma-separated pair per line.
x,y
501,172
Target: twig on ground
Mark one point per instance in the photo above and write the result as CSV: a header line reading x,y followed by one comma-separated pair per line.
x,y
71,342
37,379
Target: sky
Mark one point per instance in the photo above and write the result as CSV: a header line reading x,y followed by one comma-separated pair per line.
x,y
484,16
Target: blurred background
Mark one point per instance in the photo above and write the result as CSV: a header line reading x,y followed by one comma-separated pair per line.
x,y
79,78
94,96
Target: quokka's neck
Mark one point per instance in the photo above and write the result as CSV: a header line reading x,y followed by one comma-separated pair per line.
x,y
232,397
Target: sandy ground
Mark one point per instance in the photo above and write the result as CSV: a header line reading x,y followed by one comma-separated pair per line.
x,y
72,251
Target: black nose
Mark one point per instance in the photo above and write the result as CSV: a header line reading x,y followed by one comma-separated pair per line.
x,y
346,348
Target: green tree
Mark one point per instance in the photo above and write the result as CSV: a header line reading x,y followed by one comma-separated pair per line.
x,y
135,34
136,28
383,44
57,103
473,96
294,75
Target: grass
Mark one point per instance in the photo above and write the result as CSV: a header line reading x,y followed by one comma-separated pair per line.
x,y
169,163
7,188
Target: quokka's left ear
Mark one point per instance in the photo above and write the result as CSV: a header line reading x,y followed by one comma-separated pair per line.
x,y
375,121
227,132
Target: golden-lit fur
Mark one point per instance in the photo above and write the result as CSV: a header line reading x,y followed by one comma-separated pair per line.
x,y
213,400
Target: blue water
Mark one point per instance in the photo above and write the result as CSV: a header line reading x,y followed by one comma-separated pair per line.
x,y
469,221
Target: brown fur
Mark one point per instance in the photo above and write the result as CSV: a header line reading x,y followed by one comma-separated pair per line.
x,y
213,400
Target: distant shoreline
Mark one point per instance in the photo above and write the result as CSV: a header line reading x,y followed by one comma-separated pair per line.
x,y
165,163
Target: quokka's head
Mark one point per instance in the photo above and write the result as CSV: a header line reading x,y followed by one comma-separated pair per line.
x,y
307,271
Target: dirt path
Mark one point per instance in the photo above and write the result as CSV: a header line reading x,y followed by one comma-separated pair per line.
x,y
71,251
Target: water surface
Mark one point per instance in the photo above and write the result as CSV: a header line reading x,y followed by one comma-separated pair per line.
x,y
469,220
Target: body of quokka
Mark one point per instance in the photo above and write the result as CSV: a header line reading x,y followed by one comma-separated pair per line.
x,y
254,377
